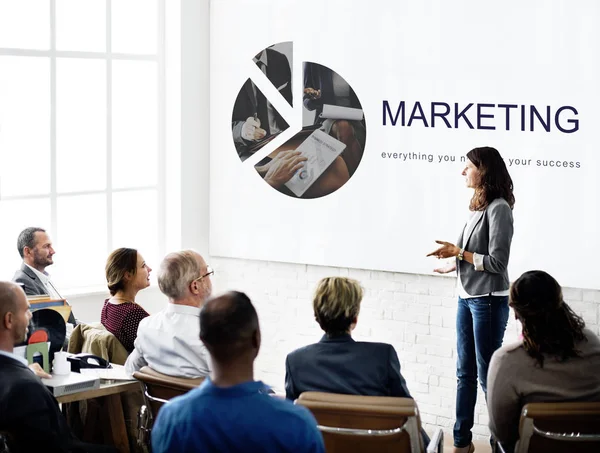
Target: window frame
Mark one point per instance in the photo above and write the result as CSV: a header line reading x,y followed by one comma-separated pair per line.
x,y
162,166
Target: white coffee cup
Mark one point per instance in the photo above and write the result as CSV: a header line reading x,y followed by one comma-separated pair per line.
x,y
60,365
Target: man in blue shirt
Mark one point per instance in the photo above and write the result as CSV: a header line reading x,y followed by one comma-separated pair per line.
x,y
230,411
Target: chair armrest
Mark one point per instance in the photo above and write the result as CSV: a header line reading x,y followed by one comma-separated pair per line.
x,y
436,444
153,376
498,448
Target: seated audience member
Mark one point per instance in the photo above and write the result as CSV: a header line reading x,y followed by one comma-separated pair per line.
x,y
337,363
169,341
126,274
557,360
35,248
230,411
28,411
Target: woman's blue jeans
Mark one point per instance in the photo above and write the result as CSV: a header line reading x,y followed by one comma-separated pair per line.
x,y
480,326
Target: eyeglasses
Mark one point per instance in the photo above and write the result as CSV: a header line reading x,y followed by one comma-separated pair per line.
x,y
209,271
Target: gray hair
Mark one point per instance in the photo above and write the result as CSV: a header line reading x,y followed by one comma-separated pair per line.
x,y
27,239
177,271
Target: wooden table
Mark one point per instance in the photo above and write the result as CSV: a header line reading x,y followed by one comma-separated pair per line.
x,y
110,392
107,388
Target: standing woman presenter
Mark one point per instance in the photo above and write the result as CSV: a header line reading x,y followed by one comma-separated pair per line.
x,y
482,254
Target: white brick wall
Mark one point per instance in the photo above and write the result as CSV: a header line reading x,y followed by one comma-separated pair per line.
x,y
415,313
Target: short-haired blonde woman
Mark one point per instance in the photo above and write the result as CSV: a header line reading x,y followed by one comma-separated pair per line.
x,y
126,274
337,363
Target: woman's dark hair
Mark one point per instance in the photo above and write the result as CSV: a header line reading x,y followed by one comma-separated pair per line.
x,y
495,181
120,262
550,327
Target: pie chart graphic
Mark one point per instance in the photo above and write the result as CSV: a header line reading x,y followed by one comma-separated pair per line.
x,y
325,152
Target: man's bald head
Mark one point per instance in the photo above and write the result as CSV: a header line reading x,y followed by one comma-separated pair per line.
x,y
14,315
229,327
9,297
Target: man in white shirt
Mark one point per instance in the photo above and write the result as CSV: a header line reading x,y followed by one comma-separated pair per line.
x,y
35,247
169,341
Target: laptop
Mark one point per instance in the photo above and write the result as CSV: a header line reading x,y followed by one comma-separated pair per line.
x,y
71,383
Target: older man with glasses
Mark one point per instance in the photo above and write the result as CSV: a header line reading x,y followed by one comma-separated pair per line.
x,y
169,341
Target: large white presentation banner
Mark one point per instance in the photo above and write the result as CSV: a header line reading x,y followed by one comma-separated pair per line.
x,y
339,129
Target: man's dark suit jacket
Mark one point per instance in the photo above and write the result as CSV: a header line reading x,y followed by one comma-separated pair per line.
x,y
30,282
32,285
342,365
30,413
246,104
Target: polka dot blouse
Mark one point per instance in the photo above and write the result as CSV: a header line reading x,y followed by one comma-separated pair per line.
x,y
122,320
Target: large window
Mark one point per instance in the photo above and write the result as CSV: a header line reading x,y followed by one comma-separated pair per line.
x,y
82,131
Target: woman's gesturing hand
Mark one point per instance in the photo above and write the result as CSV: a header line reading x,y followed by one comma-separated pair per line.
x,y
451,267
447,250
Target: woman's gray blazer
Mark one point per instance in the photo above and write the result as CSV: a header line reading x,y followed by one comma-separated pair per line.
x,y
490,234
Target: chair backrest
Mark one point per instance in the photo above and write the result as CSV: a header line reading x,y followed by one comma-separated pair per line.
x,y
560,427
353,424
159,388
